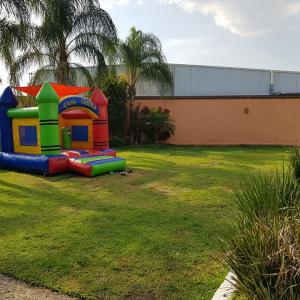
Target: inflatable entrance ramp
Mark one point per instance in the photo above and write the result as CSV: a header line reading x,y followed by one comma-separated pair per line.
x,y
96,165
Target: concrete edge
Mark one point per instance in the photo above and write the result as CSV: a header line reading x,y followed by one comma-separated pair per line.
x,y
227,288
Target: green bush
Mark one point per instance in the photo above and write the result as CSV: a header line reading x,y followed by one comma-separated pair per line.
x,y
117,141
265,254
116,91
152,125
294,159
262,196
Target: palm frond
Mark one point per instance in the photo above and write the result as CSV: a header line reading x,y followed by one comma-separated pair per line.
x,y
23,63
12,36
41,75
95,20
86,73
17,8
159,74
91,53
70,30
142,55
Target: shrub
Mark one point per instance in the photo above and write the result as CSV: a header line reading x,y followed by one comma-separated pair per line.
x,y
153,125
116,91
265,259
262,195
294,159
117,141
265,255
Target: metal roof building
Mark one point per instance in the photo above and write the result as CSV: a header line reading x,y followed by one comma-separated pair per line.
x,y
198,80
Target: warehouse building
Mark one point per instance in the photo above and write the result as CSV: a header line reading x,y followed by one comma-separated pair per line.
x,y
195,80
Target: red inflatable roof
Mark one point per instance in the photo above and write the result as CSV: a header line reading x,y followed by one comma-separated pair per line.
x,y
61,90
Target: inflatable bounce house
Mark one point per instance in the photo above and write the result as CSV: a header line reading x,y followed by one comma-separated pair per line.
x,y
65,132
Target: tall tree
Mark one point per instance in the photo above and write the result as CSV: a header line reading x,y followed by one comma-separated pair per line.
x,y
14,17
71,31
143,58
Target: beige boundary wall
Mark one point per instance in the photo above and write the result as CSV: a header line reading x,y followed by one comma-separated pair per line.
x,y
232,120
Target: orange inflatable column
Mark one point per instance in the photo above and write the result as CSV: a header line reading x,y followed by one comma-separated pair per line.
x,y
100,126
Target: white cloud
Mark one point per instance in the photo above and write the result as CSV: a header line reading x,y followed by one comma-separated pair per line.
x,y
198,49
244,17
111,4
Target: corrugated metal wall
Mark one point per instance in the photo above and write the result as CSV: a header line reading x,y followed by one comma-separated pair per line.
x,y
206,81
192,80
286,82
143,88
215,81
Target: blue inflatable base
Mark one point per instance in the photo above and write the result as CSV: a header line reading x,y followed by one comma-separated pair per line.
x,y
54,164
28,163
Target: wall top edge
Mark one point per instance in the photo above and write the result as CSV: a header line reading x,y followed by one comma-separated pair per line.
x,y
217,97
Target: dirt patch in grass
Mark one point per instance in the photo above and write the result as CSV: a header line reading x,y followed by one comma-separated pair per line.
x,y
13,289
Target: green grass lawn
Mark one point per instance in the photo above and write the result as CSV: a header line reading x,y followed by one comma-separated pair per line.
x,y
153,234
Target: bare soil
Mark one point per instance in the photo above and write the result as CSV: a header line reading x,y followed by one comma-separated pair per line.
x,y
17,290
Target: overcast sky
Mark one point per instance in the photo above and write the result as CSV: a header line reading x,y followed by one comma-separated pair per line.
x,y
239,33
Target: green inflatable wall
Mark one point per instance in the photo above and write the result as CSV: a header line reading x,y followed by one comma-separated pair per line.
x,y
48,114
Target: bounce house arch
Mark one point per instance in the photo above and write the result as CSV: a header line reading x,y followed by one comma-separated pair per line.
x,y
79,103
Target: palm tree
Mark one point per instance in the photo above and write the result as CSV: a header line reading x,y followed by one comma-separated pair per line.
x,y
142,56
143,59
70,31
14,15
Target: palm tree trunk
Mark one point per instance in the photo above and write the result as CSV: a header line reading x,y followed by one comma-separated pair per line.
x,y
132,122
63,72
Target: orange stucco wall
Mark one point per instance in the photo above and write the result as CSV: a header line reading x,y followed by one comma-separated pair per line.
x,y
232,121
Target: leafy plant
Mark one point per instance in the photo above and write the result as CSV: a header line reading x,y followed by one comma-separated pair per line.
x,y
294,159
116,92
116,141
265,254
153,124
265,259
263,196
